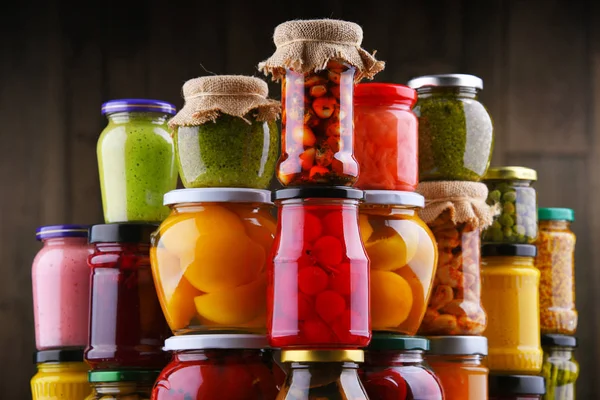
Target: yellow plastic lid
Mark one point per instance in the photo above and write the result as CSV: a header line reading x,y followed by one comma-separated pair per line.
x,y
322,356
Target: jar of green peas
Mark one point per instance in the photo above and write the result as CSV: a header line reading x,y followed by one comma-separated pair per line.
x,y
510,189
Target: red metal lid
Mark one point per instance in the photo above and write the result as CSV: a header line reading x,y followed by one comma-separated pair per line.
x,y
384,93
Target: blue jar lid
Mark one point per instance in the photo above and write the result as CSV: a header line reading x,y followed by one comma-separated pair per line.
x,y
58,231
140,105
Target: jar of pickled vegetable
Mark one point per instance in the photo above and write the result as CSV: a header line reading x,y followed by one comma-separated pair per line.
x,y
127,327
136,160
122,384
510,297
516,387
456,135
60,279
218,367
61,374
458,362
318,284
510,190
317,127
394,369
322,375
209,259
403,259
560,369
556,262
386,134
454,307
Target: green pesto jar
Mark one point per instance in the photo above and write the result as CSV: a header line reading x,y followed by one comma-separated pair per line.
x,y
456,135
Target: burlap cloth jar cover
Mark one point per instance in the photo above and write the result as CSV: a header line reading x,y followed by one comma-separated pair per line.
x,y
456,211
308,45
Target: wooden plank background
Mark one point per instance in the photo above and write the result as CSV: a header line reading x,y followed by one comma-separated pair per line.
x,y
540,60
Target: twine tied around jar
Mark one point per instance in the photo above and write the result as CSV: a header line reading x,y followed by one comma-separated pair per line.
x,y
208,97
308,45
464,201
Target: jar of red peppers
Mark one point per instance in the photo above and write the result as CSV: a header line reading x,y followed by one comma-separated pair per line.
x,y
127,326
458,362
516,387
322,375
394,369
318,284
218,367
386,136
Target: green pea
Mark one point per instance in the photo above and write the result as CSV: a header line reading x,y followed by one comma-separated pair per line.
x,y
496,234
508,232
509,196
508,208
519,230
494,196
507,221
496,225
504,187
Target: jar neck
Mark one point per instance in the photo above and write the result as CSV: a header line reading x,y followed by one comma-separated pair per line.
x,y
467,359
54,367
133,116
565,353
122,387
221,355
113,247
65,241
458,91
394,104
317,202
512,261
387,210
559,225
325,367
393,357
183,208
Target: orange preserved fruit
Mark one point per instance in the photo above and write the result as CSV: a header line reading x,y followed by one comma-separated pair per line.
x,y
365,227
390,248
235,306
419,300
391,299
259,225
224,261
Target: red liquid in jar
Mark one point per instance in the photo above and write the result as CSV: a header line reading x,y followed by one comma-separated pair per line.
x,y
318,294
127,327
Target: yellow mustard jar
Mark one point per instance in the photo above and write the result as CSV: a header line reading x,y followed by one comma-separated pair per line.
x,y
61,374
510,284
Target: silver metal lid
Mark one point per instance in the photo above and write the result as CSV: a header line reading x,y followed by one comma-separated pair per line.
x,y
394,197
215,341
458,345
217,195
446,80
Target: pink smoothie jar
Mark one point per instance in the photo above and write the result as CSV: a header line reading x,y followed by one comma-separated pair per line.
x,y
61,287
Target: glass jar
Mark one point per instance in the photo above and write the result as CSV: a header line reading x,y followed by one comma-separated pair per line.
x,y
218,367
61,287
560,369
394,369
509,188
322,375
510,297
403,259
317,127
136,160
556,262
454,306
318,285
61,374
209,259
228,152
456,136
127,327
458,362
386,134
122,385
516,387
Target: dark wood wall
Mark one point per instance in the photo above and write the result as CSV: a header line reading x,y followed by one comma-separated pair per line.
x,y
540,60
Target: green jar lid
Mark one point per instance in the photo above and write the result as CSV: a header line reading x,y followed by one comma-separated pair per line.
x,y
383,341
123,375
556,214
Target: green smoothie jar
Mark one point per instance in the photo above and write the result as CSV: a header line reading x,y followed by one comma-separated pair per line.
x,y
136,160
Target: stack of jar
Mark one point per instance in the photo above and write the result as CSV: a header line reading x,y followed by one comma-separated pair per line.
x,y
455,146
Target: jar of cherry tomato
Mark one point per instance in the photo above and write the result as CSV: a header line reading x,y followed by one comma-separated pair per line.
x,y
387,136
458,362
394,369
317,127
516,387
122,384
318,284
209,259
322,374
127,327
218,367
403,259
